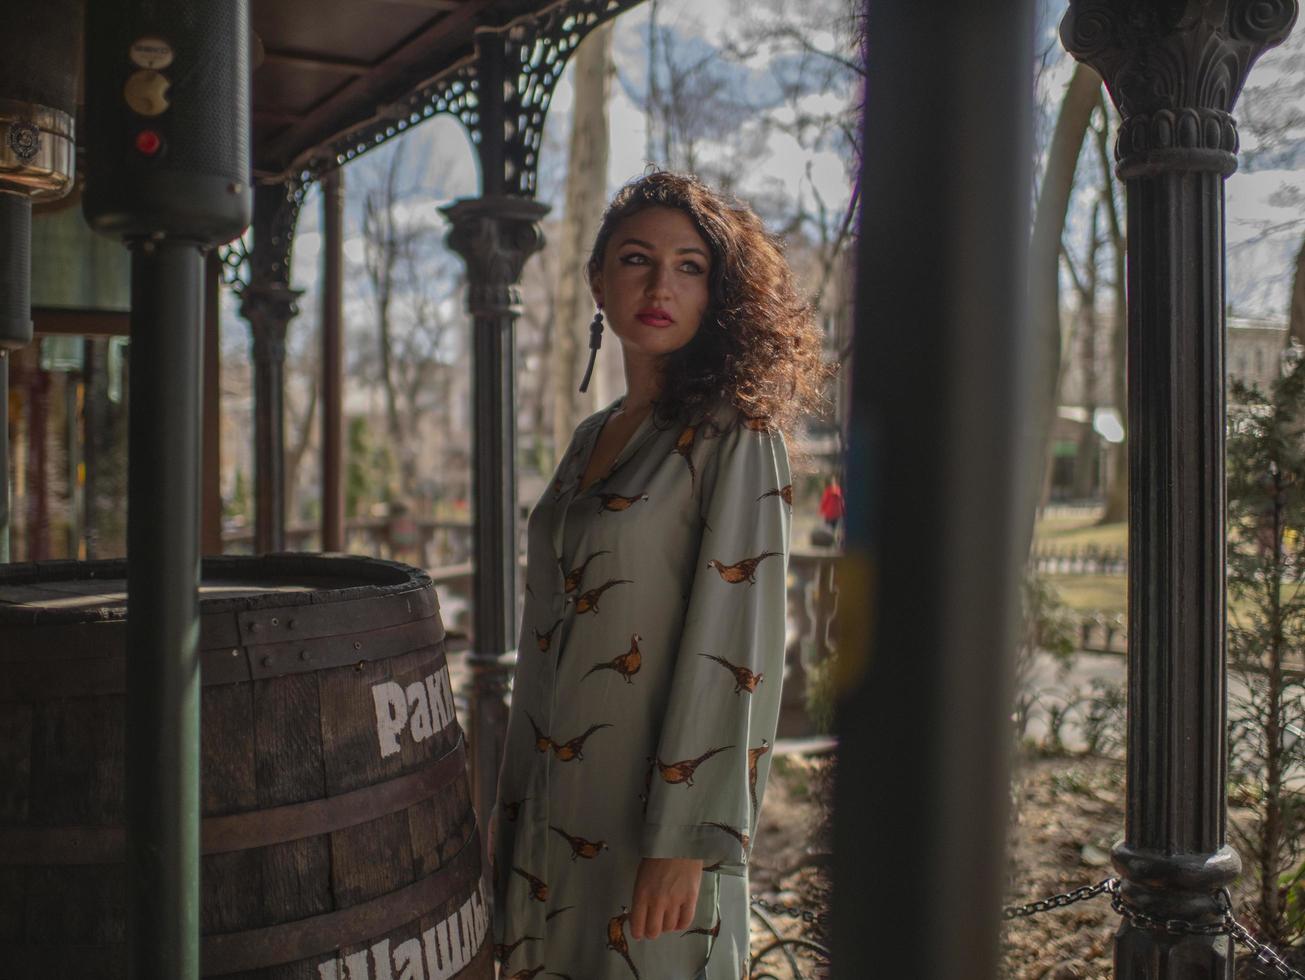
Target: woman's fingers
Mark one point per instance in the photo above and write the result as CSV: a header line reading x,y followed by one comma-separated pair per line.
x,y
639,918
665,896
671,918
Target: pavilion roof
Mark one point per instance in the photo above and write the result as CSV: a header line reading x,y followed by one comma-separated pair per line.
x,y
330,67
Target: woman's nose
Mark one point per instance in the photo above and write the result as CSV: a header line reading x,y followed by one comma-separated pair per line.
x,y
659,279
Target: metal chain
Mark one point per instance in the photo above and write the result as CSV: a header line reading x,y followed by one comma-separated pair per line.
x,y
793,911
1264,956
1081,894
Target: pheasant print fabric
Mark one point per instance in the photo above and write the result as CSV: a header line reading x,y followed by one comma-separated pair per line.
x,y
645,699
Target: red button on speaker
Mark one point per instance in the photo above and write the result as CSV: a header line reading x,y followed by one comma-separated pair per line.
x,y
148,142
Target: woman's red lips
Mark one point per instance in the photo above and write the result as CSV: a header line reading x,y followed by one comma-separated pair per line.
x,y
654,318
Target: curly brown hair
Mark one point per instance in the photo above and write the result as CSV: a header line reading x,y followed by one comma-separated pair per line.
x,y
758,345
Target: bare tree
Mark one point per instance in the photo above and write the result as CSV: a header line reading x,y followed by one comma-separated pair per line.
x,y
1116,509
586,193
411,287
1081,97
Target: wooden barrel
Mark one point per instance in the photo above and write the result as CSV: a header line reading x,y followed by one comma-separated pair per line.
x,y
338,836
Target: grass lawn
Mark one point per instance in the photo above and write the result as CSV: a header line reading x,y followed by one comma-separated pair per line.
x,y
1080,532
1109,594
1092,593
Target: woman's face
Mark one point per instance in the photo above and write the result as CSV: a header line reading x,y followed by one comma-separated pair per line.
x,y
653,282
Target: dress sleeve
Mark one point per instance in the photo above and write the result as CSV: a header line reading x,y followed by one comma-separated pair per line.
x,y
706,782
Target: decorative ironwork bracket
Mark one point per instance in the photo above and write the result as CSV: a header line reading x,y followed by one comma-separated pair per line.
x,y
536,50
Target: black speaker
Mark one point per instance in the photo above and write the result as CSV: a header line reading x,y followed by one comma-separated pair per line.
x,y
39,55
167,119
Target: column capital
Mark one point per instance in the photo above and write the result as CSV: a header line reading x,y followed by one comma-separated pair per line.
x,y
495,236
1174,70
269,308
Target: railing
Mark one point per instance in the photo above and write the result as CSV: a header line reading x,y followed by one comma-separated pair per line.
x,y
1087,560
422,542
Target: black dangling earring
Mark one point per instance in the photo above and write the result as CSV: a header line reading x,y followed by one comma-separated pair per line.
x,y
595,341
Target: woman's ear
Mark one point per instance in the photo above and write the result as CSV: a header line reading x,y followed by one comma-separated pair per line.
x,y
596,288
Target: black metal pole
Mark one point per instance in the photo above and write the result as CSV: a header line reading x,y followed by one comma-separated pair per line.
x,y
940,504
269,304
15,324
1175,72
333,361
4,457
162,713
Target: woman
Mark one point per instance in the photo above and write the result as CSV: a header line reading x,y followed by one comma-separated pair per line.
x,y
647,686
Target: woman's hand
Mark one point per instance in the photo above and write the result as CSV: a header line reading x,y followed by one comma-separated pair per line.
x,y
665,896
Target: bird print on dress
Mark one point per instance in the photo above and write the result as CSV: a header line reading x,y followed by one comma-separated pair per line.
x,y
627,664
573,577
686,440
512,810
580,847
545,640
524,974
684,447
618,502
564,908
538,889
784,493
741,571
542,742
503,951
714,931
744,679
616,940
588,601
739,835
647,783
753,756
682,771
574,749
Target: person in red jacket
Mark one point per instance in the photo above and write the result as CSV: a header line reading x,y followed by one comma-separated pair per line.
x,y
831,503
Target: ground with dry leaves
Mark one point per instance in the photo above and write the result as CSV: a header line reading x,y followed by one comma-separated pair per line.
x,y
1067,814
791,862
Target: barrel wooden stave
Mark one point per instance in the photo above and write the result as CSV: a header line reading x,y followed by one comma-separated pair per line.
x,y
267,742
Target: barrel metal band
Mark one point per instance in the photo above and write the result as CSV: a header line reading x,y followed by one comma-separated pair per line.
x,y
48,846
254,949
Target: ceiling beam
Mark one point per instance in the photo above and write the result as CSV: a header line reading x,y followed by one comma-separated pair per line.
x,y
409,64
293,59
444,6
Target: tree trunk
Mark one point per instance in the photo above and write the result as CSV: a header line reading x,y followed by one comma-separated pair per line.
x,y
1081,98
303,435
1085,483
1116,511
586,194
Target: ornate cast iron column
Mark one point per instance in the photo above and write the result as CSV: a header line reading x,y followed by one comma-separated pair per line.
x,y
495,235
268,303
1174,70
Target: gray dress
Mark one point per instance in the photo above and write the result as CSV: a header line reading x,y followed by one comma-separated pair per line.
x,y
645,699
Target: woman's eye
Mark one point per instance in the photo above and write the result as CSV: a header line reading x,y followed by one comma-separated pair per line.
x,y
634,258
692,267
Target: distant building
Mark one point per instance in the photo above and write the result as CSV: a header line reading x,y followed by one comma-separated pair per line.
x,y
1087,411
